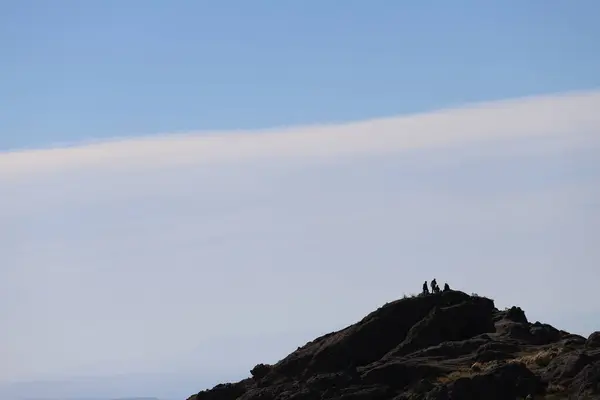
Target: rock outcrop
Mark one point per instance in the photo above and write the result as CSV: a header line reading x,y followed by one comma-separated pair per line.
x,y
445,346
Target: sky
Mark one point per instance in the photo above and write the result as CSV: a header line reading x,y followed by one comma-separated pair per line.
x,y
189,189
73,70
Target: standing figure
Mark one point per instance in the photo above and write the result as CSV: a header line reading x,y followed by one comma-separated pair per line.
x,y
434,286
446,287
425,288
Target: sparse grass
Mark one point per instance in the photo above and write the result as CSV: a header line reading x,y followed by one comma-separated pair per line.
x,y
553,392
475,369
486,366
454,375
538,359
535,359
482,366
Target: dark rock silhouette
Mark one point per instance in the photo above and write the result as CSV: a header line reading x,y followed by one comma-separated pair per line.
x,y
593,342
448,346
515,314
260,371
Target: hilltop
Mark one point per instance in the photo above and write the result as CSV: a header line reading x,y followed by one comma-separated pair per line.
x,y
444,346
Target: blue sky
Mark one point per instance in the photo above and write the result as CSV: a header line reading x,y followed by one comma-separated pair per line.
x,y
74,71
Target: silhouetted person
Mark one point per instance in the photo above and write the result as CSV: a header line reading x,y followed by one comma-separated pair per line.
x,y
434,286
446,287
425,288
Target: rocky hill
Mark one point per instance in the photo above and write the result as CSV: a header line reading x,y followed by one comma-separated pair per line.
x,y
441,346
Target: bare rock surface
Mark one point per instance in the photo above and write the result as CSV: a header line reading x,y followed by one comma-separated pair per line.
x,y
443,346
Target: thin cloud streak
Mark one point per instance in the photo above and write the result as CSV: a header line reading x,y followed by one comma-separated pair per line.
x,y
573,114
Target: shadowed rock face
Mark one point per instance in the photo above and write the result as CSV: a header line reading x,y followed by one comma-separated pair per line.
x,y
437,347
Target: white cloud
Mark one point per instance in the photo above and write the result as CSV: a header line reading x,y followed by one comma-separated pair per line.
x,y
128,256
550,117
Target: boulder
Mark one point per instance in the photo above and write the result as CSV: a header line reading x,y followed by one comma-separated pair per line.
x,y
565,367
516,314
587,382
593,341
542,334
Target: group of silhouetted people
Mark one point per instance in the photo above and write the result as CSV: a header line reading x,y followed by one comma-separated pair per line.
x,y
434,287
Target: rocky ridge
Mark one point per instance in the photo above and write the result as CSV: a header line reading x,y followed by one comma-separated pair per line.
x,y
445,346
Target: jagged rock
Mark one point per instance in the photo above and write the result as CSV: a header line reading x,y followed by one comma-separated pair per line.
x,y
491,355
573,341
495,351
377,392
518,331
370,339
451,349
398,374
544,334
593,342
224,391
438,347
516,314
510,381
260,371
565,366
453,323
587,382
503,347
257,394
331,380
